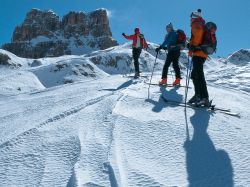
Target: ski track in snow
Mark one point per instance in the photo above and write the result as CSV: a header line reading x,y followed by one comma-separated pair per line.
x,y
21,139
53,119
118,137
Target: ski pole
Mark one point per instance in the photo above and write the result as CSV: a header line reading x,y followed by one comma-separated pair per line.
x,y
152,74
188,78
186,81
187,129
148,64
189,69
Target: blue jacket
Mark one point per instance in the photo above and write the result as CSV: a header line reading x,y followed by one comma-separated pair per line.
x,y
170,40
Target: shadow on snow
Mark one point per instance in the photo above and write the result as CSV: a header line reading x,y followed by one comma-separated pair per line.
x,y
171,94
206,166
124,85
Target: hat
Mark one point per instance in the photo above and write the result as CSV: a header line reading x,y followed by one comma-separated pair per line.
x,y
196,14
137,30
170,25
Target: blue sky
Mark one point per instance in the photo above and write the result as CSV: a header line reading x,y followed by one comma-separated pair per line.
x,y
151,16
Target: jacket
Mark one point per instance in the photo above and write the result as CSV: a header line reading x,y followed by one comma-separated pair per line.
x,y
137,38
170,41
197,30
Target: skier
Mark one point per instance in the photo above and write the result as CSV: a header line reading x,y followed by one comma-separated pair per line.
x,y
199,57
139,43
172,56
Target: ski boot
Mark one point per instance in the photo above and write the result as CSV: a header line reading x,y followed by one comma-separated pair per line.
x,y
163,82
137,75
203,102
194,99
177,82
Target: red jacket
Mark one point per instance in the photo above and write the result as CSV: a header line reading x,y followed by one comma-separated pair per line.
x,y
134,37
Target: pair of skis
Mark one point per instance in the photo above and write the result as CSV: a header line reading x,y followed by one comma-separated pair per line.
x,y
166,85
211,108
132,76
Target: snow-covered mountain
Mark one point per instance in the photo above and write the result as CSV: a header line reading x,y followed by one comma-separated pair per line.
x,y
241,57
233,72
76,121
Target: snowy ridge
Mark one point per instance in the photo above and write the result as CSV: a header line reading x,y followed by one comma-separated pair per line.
x,y
118,60
15,60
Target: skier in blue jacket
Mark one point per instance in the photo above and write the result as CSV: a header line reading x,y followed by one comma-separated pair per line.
x,y
172,56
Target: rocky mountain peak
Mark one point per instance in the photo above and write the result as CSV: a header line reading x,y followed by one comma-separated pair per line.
x,y
95,23
42,34
37,23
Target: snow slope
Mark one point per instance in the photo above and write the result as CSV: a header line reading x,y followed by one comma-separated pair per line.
x,y
16,82
105,131
118,59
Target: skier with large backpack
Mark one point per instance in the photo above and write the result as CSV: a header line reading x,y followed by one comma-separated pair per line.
x,y
202,43
174,42
138,44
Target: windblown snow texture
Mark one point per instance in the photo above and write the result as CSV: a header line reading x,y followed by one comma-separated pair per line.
x,y
76,121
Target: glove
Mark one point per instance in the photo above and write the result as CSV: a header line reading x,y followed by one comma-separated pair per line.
x,y
158,49
165,48
123,34
192,48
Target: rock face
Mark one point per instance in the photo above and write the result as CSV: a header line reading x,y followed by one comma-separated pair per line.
x,y
36,23
4,59
43,34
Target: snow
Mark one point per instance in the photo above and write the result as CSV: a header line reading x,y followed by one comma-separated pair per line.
x,y
16,82
15,60
103,130
67,71
83,48
229,74
240,57
39,39
118,60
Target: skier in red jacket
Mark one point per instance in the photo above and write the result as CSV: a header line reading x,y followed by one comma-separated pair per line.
x,y
138,44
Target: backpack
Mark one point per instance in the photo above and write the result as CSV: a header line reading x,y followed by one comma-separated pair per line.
x,y
209,41
142,41
181,39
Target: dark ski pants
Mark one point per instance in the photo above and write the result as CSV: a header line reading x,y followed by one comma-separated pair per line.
x,y
136,54
197,75
173,56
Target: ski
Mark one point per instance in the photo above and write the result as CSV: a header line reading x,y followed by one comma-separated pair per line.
x,y
132,76
166,85
212,108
